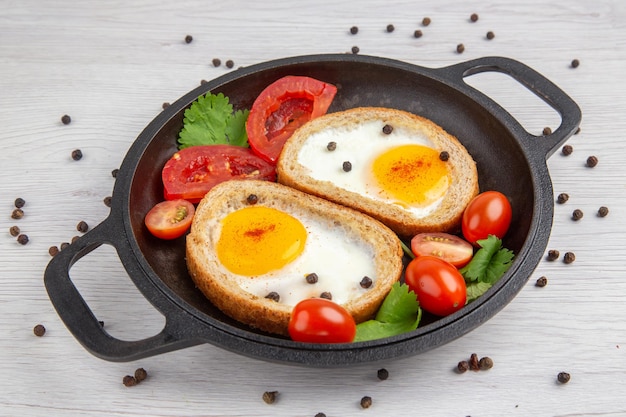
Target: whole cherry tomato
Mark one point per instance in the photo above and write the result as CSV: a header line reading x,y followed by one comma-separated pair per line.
x,y
448,247
489,213
439,286
170,219
318,320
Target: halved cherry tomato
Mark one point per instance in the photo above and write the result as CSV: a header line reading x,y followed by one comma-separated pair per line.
x,y
448,247
191,172
170,219
489,213
439,286
318,320
281,108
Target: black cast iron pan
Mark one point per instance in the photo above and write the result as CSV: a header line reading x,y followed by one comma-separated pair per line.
x,y
509,159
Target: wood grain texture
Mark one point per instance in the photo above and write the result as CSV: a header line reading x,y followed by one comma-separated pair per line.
x,y
111,65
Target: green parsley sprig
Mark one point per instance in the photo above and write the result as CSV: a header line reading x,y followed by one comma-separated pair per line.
x,y
210,120
399,313
487,266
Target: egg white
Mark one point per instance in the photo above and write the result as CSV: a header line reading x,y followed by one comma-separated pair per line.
x,y
359,144
339,259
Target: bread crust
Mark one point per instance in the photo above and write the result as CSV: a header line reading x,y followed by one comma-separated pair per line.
x,y
461,167
218,285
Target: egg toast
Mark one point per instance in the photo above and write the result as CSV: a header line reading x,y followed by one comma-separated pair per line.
x,y
256,248
398,167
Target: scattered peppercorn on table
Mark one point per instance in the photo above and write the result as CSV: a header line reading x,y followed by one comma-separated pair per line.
x,y
80,81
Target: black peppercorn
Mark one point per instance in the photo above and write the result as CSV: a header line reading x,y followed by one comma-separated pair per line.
x,y
273,296
22,239
19,202
490,35
230,63
354,30
39,330
474,17
577,130
417,34
366,282
312,278
14,231
463,366
426,21
129,381
77,154
115,172
460,48
327,295
444,156
66,119
74,239
553,255
320,415
562,198
567,150
390,28
577,214
387,129
355,50
17,214
252,199
473,362
541,282
382,374
592,161
347,166
563,377
82,226
547,131
575,63
331,146
188,39
140,374
485,363
64,245
569,257
270,397
603,211
165,105
53,250
216,62
366,402
107,201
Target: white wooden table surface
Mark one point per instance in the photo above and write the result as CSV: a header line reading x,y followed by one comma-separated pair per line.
x,y
111,65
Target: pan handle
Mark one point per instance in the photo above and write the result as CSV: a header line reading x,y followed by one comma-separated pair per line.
x,y
543,88
82,323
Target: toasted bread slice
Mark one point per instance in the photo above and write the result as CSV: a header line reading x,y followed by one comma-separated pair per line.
x,y
341,244
305,160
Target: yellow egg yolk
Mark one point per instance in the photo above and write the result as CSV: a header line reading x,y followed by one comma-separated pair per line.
x,y
256,240
414,175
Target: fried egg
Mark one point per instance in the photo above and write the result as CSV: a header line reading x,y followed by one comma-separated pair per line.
x,y
390,164
275,250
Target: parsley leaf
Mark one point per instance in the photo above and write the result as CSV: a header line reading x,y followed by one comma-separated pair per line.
x,y
489,263
399,313
210,121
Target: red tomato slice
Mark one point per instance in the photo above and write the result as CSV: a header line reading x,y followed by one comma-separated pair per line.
x,y
170,219
489,213
281,108
439,286
448,247
191,172
318,320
